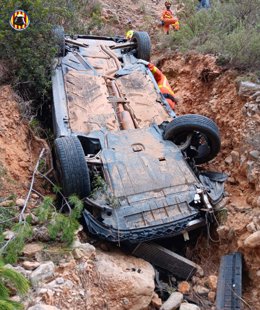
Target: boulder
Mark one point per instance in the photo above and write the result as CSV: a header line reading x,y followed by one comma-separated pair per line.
x,y
8,234
201,290
199,272
85,250
78,253
55,283
255,95
247,89
228,160
253,240
212,296
43,272
16,298
156,301
20,202
256,219
212,282
173,302
235,156
187,306
30,265
31,249
254,154
251,227
125,279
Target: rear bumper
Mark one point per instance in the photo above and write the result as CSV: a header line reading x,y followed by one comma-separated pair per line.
x,y
142,234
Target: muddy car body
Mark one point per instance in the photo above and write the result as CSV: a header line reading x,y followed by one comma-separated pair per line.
x,y
112,124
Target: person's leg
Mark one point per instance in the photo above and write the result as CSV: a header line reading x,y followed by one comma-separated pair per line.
x,y
207,4
166,28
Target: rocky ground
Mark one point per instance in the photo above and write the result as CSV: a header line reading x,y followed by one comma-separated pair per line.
x,y
95,275
217,93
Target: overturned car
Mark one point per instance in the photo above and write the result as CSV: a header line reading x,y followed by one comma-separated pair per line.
x,y
114,128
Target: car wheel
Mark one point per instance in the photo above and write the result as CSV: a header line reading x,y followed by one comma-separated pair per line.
x,y
59,37
71,166
196,135
143,49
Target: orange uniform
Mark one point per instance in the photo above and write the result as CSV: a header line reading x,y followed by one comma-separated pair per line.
x,y
169,20
163,84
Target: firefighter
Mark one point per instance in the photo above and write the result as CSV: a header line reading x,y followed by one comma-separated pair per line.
x,y
164,85
167,19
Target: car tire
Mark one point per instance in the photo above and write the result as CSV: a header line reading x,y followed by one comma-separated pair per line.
x,y
143,49
59,38
72,169
183,129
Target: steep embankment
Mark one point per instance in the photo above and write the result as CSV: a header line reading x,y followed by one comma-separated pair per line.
x,y
204,88
19,149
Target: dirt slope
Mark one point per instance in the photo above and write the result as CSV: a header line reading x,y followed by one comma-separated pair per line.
x,y
207,89
19,150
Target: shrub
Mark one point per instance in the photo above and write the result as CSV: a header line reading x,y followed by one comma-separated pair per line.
x,y
230,30
11,250
29,54
10,277
60,226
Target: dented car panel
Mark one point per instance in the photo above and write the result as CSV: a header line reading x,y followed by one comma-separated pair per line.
x,y
112,104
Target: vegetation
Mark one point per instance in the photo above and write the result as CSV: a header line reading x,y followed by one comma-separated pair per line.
x,y
101,192
230,30
29,54
2,173
11,278
13,248
60,226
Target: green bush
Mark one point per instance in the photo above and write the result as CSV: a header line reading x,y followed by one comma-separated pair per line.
x,y
10,277
10,251
29,54
60,226
230,30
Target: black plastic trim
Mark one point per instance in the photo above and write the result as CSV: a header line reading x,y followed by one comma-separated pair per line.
x,y
136,235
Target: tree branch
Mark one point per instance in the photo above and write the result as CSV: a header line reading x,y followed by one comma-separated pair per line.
x,y
21,217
